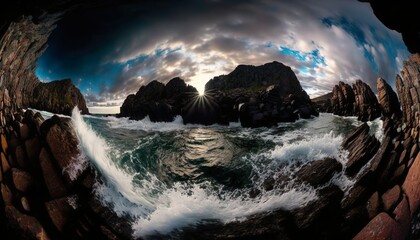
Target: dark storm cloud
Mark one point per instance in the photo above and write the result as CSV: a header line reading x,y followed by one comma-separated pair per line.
x,y
128,46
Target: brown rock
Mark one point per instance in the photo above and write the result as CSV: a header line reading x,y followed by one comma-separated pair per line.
x,y
25,204
22,180
62,141
24,132
388,99
403,156
398,174
379,228
3,143
402,217
21,157
366,104
390,198
361,146
4,163
319,172
33,148
60,212
30,226
414,150
372,205
52,178
6,194
411,185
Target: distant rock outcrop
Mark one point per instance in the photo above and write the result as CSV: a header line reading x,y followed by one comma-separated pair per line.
x,y
59,96
261,95
257,96
161,103
358,101
323,102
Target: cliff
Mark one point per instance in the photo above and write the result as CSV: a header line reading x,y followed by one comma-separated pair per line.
x,y
21,45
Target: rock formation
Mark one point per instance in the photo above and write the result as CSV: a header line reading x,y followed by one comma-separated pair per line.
x,y
323,102
257,96
358,101
388,99
161,103
20,47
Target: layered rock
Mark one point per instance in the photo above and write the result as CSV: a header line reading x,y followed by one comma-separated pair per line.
x,y
388,99
358,100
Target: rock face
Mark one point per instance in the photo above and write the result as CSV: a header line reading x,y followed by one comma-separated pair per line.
x,y
323,103
21,45
358,100
161,103
388,99
258,96
58,97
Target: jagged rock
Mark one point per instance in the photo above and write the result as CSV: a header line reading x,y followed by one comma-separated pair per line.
x,y
361,146
357,101
59,96
388,99
367,106
319,172
161,103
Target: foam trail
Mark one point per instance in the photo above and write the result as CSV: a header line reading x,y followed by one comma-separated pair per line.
x,y
315,148
97,150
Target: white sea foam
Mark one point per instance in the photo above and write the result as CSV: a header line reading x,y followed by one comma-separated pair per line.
x,y
180,207
376,128
314,148
118,181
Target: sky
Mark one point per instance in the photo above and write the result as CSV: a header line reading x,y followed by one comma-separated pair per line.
x,y
110,52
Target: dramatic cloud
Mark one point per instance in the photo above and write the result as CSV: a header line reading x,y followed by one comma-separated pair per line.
x,y
323,41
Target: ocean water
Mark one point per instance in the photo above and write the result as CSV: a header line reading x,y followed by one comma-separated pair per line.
x,y
166,176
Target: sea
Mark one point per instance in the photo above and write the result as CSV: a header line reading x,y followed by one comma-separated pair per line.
x,y
168,176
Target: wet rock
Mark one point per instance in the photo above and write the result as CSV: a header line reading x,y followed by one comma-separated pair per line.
x,y
60,212
59,96
388,170
353,219
62,141
402,217
4,163
25,204
388,99
21,157
52,178
379,228
321,212
29,225
319,172
390,198
6,194
361,146
22,180
33,148
414,150
411,183
4,145
373,205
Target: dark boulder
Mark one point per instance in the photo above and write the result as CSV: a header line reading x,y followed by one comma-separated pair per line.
x,y
361,146
319,172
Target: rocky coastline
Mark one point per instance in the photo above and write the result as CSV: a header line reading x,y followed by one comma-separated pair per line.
x,y
41,198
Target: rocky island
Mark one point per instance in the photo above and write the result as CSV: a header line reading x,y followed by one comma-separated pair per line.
x,y
47,191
